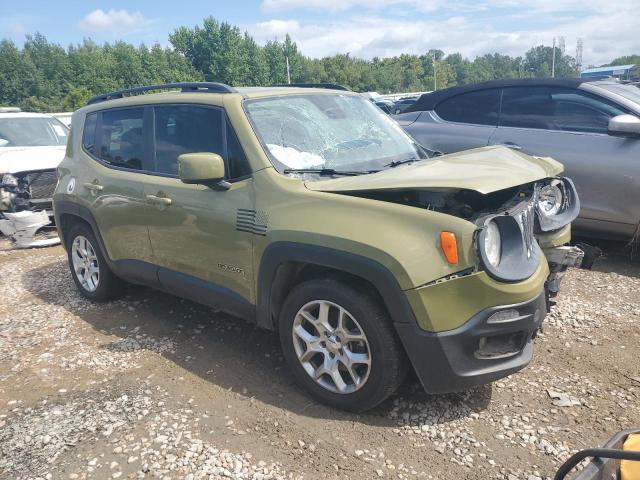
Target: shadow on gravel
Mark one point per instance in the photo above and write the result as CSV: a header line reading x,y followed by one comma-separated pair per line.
x,y
224,350
617,257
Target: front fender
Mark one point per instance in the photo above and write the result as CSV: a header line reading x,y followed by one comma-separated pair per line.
x,y
278,253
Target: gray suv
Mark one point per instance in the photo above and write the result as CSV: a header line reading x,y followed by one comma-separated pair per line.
x,y
592,127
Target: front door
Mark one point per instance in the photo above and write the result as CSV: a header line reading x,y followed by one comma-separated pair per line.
x,y
193,228
571,126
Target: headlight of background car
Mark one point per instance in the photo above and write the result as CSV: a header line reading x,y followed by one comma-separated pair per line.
x,y
493,243
9,180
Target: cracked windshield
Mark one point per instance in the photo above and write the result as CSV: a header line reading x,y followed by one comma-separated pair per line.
x,y
337,132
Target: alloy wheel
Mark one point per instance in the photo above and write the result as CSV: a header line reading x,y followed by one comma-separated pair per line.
x,y
331,346
85,263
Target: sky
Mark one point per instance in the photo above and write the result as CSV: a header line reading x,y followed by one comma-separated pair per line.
x,y
362,28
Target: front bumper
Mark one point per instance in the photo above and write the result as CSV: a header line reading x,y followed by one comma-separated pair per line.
x,y
29,229
492,344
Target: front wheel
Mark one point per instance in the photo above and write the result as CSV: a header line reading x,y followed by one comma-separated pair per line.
x,y
340,345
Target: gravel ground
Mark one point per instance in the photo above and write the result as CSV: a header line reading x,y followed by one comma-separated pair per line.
x,y
157,387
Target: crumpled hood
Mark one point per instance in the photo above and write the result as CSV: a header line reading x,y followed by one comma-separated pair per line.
x,y
485,170
25,159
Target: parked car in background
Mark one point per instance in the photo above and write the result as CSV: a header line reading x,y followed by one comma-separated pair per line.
x,y
592,127
383,104
401,105
31,147
64,117
311,213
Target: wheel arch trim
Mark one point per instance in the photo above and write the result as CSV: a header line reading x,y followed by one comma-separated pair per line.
x,y
280,253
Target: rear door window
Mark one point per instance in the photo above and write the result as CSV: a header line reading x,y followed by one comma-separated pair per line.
x,y
480,108
121,139
556,108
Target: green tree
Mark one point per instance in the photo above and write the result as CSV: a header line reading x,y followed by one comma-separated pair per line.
x,y
538,61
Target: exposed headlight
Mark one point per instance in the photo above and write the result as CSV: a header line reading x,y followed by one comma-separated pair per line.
x,y
9,180
493,243
550,199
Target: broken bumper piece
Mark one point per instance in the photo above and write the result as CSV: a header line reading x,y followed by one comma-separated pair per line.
x,y
22,228
561,258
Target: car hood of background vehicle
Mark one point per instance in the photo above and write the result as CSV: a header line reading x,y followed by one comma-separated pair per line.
x,y
484,170
25,159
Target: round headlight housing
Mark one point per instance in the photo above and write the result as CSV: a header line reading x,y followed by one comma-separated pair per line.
x,y
492,243
550,199
9,180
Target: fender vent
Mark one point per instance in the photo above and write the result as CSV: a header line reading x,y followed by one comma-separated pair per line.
x,y
251,221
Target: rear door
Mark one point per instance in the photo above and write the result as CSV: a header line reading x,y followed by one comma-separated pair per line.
x,y
110,183
458,123
570,125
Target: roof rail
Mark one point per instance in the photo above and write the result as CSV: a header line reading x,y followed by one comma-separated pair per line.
x,y
211,87
330,86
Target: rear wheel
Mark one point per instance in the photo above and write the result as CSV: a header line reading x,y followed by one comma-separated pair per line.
x,y
340,345
89,270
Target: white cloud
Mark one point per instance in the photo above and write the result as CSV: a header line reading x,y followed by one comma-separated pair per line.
x,y
275,28
343,5
113,21
13,26
505,26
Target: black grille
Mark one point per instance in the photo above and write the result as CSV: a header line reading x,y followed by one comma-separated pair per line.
x,y
41,184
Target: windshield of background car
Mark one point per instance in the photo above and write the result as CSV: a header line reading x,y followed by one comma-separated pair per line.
x,y
32,132
340,132
630,92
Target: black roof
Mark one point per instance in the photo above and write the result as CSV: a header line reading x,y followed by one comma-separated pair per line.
x,y
212,87
428,101
329,86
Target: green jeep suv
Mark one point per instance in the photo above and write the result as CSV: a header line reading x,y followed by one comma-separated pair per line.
x,y
311,213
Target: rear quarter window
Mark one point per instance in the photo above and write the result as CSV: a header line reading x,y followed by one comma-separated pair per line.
x,y
89,133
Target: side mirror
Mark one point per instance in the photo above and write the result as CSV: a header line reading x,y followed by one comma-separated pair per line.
x,y
202,168
625,126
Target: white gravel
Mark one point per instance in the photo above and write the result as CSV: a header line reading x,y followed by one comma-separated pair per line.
x,y
132,390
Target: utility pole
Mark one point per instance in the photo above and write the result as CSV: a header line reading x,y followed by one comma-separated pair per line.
x,y
553,59
435,73
579,47
286,59
288,73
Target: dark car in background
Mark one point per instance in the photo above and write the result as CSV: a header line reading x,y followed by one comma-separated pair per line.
x,y
592,127
383,104
403,104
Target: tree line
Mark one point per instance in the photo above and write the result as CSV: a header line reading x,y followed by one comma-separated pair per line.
x,y
44,76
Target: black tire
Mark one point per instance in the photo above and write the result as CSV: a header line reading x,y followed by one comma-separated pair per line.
x,y
109,286
388,360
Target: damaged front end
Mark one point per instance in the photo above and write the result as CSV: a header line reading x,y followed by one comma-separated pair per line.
x,y
26,215
520,216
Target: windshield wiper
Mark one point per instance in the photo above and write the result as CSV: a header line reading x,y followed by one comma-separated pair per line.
x,y
328,171
395,163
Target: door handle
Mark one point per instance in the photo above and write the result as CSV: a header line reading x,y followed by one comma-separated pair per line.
x,y
94,187
510,145
159,200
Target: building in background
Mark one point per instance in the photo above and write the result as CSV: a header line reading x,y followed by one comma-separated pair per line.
x,y
623,72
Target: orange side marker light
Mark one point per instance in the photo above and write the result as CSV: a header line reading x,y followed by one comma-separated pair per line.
x,y
449,246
